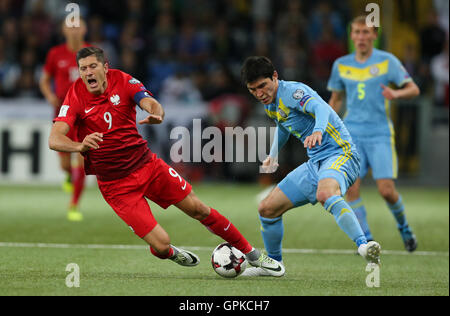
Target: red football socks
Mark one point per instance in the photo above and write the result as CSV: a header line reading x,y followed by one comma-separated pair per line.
x,y
222,227
160,256
78,177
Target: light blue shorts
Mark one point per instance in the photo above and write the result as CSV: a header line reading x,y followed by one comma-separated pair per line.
x,y
378,154
300,185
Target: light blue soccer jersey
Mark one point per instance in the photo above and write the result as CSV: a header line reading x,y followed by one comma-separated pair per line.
x,y
368,112
294,113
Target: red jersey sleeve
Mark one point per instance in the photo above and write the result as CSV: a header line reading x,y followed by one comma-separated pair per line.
x,y
70,108
49,66
135,89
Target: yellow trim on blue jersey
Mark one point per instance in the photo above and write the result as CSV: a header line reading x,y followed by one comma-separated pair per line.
x,y
392,132
363,74
304,105
276,114
345,145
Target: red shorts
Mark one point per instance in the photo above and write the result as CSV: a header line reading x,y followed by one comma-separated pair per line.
x,y
156,181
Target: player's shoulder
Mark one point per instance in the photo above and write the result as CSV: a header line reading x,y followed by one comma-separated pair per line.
x,y
294,89
383,55
346,59
118,75
58,49
293,92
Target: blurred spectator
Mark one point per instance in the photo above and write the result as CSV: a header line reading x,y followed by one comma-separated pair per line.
x,y
9,72
191,50
129,63
10,34
97,38
261,10
223,48
432,37
442,8
162,35
179,88
291,21
10,8
410,60
27,84
136,11
40,12
293,62
262,39
220,82
324,52
440,73
130,37
323,14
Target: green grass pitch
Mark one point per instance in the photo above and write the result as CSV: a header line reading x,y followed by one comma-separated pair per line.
x,y
37,243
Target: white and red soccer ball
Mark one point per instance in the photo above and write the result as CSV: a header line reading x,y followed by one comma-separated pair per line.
x,y
228,261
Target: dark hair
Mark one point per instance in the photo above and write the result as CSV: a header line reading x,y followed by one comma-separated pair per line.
x,y
256,67
89,51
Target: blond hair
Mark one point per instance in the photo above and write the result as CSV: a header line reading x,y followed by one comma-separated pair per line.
x,y
362,19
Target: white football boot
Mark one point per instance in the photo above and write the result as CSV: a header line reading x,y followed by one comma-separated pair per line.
x,y
265,266
184,257
370,251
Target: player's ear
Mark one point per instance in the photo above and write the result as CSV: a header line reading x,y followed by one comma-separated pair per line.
x,y
275,75
106,65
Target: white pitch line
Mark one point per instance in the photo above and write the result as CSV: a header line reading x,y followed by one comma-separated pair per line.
x,y
139,247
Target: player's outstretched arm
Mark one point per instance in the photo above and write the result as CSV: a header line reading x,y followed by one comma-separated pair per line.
x,y
336,100
408,91
45,85
58,140
155,110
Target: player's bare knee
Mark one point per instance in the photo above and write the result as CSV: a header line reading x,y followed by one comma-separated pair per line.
x,y
323,195
265,209
387,192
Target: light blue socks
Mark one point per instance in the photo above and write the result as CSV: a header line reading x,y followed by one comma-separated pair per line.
x,y
346,219
272,230
398,210
360,212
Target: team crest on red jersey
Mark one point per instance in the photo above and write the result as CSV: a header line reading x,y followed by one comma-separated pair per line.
x,y
115,99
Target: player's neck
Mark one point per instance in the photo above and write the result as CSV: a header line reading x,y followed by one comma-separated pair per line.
x,y
74,45
363,56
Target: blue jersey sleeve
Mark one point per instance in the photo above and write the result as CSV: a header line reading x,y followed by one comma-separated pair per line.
x,y
335,82
321,112
397,73
279,140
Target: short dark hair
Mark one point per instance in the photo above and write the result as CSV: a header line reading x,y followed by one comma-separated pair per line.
x,y
89,51
256,67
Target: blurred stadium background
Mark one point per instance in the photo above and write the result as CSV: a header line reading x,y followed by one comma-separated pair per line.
x,y
189,53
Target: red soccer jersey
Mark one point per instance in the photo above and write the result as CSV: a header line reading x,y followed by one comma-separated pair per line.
x,y
61,65
112,113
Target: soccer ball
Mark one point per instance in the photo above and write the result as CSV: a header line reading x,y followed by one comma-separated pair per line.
x,y
228,261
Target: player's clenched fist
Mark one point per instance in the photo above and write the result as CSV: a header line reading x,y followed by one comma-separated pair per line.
x,y
313,139
91,141
270,165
